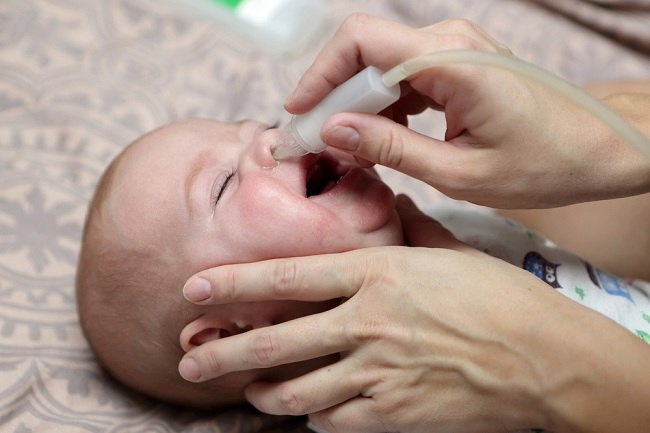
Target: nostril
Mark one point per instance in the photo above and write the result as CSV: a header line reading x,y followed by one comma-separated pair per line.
x,y
266,141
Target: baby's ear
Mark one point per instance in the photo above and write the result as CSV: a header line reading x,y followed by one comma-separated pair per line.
x,y
210,327
200,331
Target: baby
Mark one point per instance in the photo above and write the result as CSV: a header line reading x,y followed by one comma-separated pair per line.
x,y
197,194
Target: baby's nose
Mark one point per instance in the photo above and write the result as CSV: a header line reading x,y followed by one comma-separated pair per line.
x,y
260,149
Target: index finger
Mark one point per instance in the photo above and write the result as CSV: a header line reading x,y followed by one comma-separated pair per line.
x,y
362,40
313,278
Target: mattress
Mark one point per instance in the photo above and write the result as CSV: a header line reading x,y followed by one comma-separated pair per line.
x,y
80,79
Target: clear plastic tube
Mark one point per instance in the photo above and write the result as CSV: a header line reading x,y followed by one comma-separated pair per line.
x,y
302,134
520,67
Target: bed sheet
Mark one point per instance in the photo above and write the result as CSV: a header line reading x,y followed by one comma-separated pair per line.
x,y
80,79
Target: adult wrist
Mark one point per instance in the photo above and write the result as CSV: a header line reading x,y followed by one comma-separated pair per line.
x,y
595,373
547,343
632,169
587,160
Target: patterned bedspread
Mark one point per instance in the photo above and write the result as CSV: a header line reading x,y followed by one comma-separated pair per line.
x,y
80,79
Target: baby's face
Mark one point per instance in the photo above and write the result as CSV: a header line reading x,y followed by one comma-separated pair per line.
x,y
205,193
214,192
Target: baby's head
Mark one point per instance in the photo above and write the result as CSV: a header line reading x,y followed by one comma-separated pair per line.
x,y
198,194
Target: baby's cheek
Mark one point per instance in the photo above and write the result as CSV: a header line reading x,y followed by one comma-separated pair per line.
x,y
282,223
259,201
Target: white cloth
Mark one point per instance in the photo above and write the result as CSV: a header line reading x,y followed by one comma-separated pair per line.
x,y
625,301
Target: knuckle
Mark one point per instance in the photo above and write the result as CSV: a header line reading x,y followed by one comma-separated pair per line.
x,y
284,280
458,179
466,25
373,259
228,289
290,402
211,361
355,21
463,33
459,25
462,181
367,328
502,49
391,149
389,405
264,349
371,325
325,421
462,41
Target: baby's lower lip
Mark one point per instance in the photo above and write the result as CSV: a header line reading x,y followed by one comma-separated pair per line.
x,y
360,199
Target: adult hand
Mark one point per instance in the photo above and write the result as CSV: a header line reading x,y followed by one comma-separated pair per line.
x,y
510,142
434,339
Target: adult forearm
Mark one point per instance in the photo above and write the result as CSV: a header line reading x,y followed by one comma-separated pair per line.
x,y
635,172
635,108
599,382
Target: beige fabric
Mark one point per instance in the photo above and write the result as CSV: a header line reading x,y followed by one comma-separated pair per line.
x,y
80,79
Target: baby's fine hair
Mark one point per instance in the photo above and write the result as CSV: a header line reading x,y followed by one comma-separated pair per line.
x,y
127,308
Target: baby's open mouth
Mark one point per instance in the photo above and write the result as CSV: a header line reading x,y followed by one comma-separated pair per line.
x,y
324,174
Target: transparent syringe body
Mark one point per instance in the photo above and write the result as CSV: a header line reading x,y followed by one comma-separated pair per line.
x,y
365,92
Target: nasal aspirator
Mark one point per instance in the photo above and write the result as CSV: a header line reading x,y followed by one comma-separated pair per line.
x,y
371,90
363,93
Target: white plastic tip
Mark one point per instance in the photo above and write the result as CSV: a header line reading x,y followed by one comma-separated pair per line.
x,y
287,150
289,145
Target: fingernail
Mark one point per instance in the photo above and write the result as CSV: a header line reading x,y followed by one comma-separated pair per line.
x,y
189,370
197,290
290,98
343,137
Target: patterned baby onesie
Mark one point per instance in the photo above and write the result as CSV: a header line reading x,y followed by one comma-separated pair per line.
x,y
625,301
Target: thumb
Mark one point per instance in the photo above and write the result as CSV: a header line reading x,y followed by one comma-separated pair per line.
x,y
420,230
380,140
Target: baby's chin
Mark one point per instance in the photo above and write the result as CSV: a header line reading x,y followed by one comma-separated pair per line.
x,y
390,234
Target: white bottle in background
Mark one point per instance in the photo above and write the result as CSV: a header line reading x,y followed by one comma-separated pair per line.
x,y
278,26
